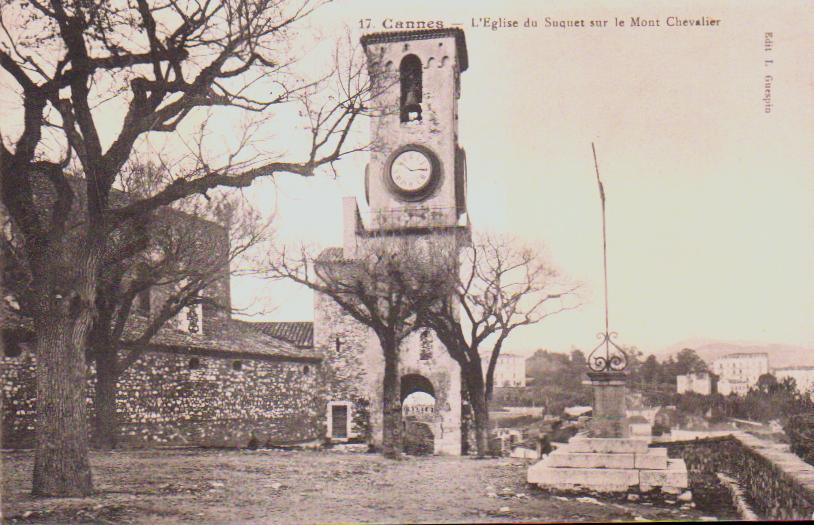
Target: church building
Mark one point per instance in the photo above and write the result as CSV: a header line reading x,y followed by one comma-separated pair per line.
x,y
210,380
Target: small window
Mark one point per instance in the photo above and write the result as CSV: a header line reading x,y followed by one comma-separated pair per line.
x,y
193,318
306,370
237,365
194,363
143,307
11,346
426,345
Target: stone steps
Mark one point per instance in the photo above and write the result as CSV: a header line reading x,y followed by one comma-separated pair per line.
x,y
652,458
609,445
609,465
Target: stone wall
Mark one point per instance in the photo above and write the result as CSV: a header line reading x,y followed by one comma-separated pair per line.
x,y
225,401
19,396
354,370
344,344
778,484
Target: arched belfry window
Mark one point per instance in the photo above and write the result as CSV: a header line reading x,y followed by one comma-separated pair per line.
x,y
411,87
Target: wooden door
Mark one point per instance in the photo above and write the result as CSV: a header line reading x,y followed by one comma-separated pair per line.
x,y
339,421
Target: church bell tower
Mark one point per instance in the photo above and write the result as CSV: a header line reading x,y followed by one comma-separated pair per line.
x,y
416,177
415,188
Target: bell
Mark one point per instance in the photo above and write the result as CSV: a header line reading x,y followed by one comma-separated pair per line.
x,y
411,105
411,99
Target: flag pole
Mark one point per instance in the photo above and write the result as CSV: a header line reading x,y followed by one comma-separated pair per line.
x,y
614,358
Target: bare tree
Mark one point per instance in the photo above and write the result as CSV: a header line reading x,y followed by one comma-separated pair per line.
x,y
72,64
499,286
379,286
186,250
178,253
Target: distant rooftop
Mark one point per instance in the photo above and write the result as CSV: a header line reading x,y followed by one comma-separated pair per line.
x,y
744,354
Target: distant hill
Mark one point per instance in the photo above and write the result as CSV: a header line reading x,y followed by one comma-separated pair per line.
x,y
780,355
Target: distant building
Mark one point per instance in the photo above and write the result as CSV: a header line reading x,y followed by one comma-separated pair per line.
x,y
802,375
739,372
510,369
700,383
739,388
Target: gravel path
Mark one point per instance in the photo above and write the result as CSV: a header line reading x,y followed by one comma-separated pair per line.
x,y
173,486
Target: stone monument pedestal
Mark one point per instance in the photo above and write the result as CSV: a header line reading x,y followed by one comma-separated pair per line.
x,y
609,419
608,459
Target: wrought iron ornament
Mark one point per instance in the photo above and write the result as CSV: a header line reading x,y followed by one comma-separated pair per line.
x,y
613,359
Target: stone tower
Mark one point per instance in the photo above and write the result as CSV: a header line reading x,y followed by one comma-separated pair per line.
x,y
415,187
416,174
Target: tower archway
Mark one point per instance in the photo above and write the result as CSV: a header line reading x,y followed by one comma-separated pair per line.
x,y
411,383
418,414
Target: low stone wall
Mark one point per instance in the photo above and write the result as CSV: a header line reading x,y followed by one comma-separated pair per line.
x,y
162,400
778,484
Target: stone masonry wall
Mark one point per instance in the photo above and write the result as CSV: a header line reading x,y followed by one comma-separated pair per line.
x,y
778,484
354,373
345,377
161,401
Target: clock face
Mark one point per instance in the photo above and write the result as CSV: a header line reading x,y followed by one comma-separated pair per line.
x,y
411,171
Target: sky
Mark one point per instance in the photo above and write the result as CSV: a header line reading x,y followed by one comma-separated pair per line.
x,y
709,198
710,211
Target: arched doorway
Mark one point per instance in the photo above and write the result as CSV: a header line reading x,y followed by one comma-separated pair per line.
x,y
418,414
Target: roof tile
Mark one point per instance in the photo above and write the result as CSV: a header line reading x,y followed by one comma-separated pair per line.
x,y
298,333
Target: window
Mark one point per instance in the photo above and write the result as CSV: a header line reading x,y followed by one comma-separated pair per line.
x,y
194,363
11,346
190,318
411,88
143,307
237,365
426,345
193,318
306,370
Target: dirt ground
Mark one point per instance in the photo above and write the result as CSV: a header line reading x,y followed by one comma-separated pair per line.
x,y
270,486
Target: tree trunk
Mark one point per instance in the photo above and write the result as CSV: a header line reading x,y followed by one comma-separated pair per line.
x,y
480,409
391,407
63,316
61,466
105,424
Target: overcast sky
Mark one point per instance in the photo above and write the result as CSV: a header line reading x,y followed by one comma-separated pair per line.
x,y
710,199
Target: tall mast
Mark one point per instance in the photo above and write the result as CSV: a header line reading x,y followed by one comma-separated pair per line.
x,y
614,359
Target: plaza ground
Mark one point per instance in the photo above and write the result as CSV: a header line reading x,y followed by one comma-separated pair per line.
x,y
168,486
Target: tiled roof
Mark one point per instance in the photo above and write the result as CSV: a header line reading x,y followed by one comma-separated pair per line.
x,y
298,333
228,337
422,34
332,254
